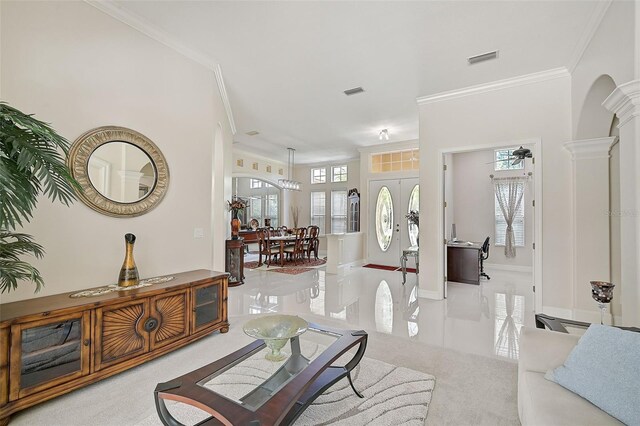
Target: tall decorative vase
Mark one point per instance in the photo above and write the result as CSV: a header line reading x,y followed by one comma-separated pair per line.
x,y
235,225
129,272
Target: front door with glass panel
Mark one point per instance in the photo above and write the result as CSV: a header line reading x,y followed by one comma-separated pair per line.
x,y
389,231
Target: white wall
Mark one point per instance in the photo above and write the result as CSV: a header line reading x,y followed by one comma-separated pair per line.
x,y
473,204
77,68
609,56
610,52
539,109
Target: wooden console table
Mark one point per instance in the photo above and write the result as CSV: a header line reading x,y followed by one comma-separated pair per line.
x,y
52,345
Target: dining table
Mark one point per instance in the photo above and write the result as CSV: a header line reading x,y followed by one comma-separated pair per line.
x,y
283,240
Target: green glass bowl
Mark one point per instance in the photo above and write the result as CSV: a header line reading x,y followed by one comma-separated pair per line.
x,y
275,330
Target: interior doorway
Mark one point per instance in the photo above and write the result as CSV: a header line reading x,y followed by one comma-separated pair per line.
x,y
475,211
389,230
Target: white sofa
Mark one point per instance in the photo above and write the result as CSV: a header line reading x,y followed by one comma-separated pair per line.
x,y
542,402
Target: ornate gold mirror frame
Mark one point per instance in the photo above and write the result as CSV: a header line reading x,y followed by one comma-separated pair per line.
x,y
78,162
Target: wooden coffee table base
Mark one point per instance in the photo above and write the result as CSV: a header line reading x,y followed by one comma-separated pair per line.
x,y
273,403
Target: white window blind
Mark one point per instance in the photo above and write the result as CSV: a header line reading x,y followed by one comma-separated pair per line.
x,y
338,212
518,222
318,209
319,175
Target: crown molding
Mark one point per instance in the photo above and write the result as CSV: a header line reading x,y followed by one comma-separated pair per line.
x,y
589,32
145,27
589,149
624,101
507,83
225,98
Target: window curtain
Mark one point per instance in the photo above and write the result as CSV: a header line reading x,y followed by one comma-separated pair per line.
x,y
509,193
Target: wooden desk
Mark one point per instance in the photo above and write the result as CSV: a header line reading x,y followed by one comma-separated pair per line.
x,y
463,263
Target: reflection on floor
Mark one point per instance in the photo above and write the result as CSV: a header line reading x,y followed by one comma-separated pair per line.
x,y
484,320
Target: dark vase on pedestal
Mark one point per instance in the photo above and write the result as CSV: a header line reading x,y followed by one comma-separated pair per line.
x,y
235,225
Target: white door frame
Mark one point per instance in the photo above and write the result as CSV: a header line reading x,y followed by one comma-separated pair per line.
x,y
537,235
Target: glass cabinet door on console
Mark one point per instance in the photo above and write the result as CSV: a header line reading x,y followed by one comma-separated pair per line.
x,y
206,307
48,352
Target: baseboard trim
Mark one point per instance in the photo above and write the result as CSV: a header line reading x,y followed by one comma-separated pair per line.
x,y
511,268
343,267
429,294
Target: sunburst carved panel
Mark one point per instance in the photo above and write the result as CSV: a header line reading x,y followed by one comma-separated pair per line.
x,y
171,312
120,336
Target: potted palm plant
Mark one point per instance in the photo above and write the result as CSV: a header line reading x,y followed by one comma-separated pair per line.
x,y
32,162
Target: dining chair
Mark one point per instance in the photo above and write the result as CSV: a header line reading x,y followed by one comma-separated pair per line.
x,y
296,252
267,248
312,242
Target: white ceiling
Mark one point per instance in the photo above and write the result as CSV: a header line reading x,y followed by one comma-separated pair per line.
x,y
286,64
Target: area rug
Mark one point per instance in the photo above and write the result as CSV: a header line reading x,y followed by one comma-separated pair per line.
x,y
291,271
392,396
383,267
314,263
388,268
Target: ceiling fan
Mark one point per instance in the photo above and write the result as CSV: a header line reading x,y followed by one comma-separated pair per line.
x,y
518,155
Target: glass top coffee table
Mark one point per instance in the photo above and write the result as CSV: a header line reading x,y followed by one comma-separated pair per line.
x,y
246,388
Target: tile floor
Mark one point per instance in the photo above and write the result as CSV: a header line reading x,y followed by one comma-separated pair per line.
x,y
483,320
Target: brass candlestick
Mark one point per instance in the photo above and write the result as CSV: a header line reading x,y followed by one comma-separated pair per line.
x,y
129,272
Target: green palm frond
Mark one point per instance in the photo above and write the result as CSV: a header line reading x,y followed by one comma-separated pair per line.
x,y
12,269
32,162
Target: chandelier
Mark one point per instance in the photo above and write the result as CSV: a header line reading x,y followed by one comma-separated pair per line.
x,y
289,183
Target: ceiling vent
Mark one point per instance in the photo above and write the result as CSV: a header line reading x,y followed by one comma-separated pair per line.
x,y
253,133
353,91
483,57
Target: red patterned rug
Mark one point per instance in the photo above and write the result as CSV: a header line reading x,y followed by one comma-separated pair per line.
x,y
388,268
383,267
291,271
313,263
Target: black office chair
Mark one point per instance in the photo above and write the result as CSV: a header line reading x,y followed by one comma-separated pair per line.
x,y
484,255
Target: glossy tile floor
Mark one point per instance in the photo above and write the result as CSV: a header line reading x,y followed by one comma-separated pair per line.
x,y
483,320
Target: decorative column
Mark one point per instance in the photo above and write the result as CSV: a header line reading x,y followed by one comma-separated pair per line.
x,y
591,221
625,103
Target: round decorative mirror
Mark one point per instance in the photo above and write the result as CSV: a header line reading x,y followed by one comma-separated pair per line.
x,y
122,173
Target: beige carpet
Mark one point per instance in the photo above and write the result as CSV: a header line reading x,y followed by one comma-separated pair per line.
x,y
471,389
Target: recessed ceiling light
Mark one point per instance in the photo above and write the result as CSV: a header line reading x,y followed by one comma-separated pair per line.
x,y
353,91
384,135
482,57
253,133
